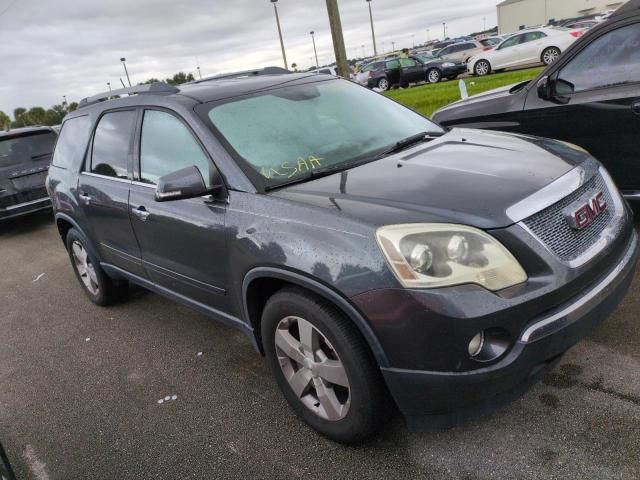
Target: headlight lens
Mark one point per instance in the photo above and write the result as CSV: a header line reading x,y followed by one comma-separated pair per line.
x,y
433,255
448,64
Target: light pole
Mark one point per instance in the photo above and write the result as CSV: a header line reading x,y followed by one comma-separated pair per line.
x,y
199,72
364,53
413,37
427,35
284,55
393,46
124,64
373,32
484,21
64,101
444,30
383,46
109,85
313,39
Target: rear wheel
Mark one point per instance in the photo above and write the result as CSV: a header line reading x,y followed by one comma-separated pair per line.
x,y
482,68
100,289
383,84
434,75
323,366
550,55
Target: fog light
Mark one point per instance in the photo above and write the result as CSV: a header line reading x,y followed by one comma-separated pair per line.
x,y
476,344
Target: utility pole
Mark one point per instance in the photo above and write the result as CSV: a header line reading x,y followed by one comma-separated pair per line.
x,y
284,55
338,39
315,51
123,60
373,32
444,30
109,85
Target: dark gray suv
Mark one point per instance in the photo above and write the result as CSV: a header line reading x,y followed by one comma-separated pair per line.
x,y
25,155
373,258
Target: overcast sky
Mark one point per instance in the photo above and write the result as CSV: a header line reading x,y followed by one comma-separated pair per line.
x,y
72,47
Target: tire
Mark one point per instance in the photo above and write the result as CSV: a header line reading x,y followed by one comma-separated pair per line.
x,y
434,75
95,283
482,68
550,55
383,84
347,413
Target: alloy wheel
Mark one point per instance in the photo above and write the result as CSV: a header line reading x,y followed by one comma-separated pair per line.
x,y
433,76
312,368
383,84
482,68
550,55
85,268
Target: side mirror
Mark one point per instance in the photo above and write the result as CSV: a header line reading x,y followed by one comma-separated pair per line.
x,y
183,184
549,89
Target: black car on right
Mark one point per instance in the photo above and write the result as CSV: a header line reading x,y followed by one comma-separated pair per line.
x,y
589,97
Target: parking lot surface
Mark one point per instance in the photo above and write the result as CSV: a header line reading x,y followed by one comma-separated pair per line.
x,y
80,391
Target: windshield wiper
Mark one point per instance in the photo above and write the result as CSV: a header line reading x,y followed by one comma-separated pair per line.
x,y
408,142
35,157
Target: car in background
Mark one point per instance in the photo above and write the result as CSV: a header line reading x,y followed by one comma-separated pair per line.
x,y
395,72
25,155
585,25
542,45
491,42
463,51
325,71
437,68
590,97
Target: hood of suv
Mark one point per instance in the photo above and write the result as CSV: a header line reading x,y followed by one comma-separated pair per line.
x,y
468,177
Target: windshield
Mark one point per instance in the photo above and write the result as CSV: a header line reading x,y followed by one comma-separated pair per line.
x,y
24,148
285,134
427,58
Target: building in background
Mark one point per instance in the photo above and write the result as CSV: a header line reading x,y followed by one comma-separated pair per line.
x,y
514,15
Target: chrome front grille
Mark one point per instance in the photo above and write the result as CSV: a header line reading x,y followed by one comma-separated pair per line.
x,y
553,230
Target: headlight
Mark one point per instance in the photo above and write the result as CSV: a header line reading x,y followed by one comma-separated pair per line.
x,y
574,146
433,255
448,64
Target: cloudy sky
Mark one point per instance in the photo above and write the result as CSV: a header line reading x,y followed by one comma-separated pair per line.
x,y
72,47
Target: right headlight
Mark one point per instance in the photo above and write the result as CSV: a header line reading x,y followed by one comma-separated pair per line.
x,y
433,255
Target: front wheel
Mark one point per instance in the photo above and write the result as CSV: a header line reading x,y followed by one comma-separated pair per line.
x,y
383,84
550,55
482,68
323,366
434,75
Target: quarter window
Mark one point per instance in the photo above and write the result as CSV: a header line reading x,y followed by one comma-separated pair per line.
x,y
613,59
111,144
72,142
166,146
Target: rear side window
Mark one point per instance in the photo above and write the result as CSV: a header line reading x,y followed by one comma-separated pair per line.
x,y
112,143
393,64
166,146
72,142
533,36
613,59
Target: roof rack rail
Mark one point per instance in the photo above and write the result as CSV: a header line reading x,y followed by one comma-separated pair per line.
x,y
153,88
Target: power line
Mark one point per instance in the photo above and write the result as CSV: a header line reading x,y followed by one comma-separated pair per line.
x,y
8,7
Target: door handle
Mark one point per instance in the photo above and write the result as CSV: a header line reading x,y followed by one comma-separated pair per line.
x,y
635,107
141,213
84,198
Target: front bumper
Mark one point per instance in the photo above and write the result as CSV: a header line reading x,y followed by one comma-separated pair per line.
x,y
456,70
440,399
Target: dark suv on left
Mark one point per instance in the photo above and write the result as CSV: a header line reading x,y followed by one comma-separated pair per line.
x,y
25,155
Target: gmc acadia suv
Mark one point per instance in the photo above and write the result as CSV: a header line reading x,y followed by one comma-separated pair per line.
x,y
363,250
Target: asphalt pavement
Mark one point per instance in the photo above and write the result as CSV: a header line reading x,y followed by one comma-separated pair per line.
x,y
149,389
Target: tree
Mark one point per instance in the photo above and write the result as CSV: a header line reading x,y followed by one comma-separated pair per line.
x,y
294,66
5,121
19,115
150,81
35,116
73,106
180,78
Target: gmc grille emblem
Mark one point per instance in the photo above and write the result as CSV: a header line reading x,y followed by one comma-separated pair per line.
x,y
580,214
